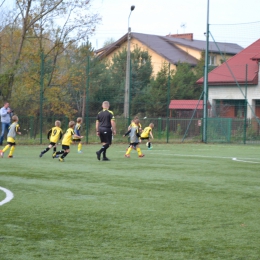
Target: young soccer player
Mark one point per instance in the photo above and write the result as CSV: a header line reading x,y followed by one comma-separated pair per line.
x,y
13,130
139,127
146,134
77,132
134,135
66,141
54,135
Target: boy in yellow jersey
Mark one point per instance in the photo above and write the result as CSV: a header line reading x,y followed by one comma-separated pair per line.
x,y
134,135
146,134
66,141
77,132
13,130
54,135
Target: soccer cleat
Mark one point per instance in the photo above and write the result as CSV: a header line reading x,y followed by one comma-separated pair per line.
x,y
142,155
150,148
79,151
127,155
57,156
41,154
54,155
1,153
10,156
61,159
98,155
105,159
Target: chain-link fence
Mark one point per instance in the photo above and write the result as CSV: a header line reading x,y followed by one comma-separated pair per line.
x,y
166,130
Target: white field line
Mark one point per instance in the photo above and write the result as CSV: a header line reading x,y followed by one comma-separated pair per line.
x,y
9,196
206,156
235,159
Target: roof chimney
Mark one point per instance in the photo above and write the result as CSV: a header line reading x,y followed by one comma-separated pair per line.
x,y
187,36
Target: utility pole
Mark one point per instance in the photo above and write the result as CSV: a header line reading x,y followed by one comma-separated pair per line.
x,y
127,79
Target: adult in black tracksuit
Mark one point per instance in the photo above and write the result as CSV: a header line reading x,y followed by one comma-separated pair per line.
x,y
106,128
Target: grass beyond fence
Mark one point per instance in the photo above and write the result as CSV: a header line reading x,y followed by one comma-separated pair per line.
x,y
183,201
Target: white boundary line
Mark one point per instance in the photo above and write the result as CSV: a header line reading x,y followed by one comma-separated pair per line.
x,y
235,159
204,156
9,196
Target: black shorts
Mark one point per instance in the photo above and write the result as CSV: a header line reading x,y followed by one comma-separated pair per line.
x,y
105,135
65,147
134,145
76,140
11,144
144,138
52,143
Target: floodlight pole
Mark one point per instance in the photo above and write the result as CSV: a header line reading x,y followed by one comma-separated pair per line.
x,y
205,92
127,78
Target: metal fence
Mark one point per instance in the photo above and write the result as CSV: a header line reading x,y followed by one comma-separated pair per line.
x,y
166,130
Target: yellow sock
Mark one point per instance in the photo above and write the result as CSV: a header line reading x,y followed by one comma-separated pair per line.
x,y
12,150
129,150
6,147
79,146
139,151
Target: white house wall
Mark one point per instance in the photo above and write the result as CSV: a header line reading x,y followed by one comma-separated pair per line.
x,y
234,92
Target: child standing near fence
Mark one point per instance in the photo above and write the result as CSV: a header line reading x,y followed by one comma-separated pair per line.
x,y
77,132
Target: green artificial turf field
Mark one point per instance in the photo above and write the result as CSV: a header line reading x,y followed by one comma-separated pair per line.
x,y
181,201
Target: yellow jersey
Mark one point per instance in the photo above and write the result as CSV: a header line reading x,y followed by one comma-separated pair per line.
x,y
146,132
55,134
133,124
67,139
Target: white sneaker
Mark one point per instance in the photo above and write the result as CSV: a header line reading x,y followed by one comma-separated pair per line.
x,y
79,151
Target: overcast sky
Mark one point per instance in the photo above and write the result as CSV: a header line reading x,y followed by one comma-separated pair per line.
x,y
162,17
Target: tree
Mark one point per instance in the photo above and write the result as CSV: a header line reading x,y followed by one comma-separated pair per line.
x,y
141,71
157,93
108,42
35,23
183,83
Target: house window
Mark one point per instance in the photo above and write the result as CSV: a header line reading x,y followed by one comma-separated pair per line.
x,y
212,59
257,108
230,108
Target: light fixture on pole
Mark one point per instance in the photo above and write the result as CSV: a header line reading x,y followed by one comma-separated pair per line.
x,y
127,79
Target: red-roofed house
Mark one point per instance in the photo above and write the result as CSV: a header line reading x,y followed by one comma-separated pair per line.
x,y
233,82
185,108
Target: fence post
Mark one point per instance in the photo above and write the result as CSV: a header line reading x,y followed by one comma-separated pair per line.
x,y
159,127
245,109
87,100
168,102
31,126
41,94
